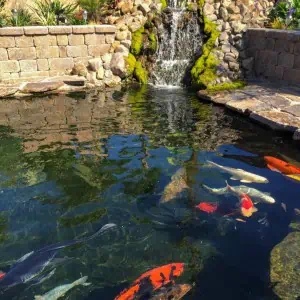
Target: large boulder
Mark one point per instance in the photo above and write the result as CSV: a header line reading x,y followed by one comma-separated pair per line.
x,y
118,65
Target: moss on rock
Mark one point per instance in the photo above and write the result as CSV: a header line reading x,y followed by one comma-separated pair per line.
x,y
164,4
137,41
204,70
130,64
140,73
153,42
226,86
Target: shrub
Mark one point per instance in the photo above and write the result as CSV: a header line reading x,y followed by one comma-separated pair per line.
x,y
51,12
92,7
24,18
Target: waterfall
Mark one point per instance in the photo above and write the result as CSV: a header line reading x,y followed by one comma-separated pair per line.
x,y
180,43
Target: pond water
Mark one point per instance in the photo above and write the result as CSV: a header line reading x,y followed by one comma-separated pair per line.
x,y
70,164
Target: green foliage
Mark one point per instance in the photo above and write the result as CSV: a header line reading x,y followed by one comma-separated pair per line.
x,y
2,21
204,70
153,42
140,73
277,24
130,63
279,11
227,86
24,18
137,41
164,4
2,4
49,12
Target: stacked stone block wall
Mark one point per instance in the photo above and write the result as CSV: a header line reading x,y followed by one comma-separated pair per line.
x,y
273,54
49,51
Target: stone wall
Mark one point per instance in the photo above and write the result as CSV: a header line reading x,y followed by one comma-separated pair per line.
x,y
273,55
27,52
232,19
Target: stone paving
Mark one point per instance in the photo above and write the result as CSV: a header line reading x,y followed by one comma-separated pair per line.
x,y
271,104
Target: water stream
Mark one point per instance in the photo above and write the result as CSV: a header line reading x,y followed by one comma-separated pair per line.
x,y
180,43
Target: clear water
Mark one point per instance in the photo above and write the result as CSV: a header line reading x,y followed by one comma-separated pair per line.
x,y
69,164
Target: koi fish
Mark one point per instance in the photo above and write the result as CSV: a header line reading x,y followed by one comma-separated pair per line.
x,y
30,267
177,185
62,290
152,281
2,274
174,292
208,207
294,176
256,195
281,166
239,174
246,206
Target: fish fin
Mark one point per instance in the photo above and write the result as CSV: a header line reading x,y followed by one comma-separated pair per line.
x,y
254,209
38,297
87,284
80,281
233,178
246,181
42,278
24,257
272,168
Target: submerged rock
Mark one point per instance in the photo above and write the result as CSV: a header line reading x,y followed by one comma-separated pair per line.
x,y
285,267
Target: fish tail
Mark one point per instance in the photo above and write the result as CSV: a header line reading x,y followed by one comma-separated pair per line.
x,y
102,230
80,281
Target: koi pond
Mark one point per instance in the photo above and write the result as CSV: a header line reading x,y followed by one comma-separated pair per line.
x,y
140,158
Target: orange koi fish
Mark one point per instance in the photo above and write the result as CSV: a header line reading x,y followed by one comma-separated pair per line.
x,y
208,207
2,274
281,166
247,207
151,281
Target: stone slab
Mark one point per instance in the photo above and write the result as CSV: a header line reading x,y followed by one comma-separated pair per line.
x,y
41,87
105,29
6,91
36,30
245,106
12,31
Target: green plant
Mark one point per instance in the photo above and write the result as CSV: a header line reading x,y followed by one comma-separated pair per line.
x,y
2,4
277,24
130,64
92,7
137,41
2,21
24,18
227,86
164,4
140,73
51,12
153,42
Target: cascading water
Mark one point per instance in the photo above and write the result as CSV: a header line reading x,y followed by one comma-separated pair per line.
x,y
180,43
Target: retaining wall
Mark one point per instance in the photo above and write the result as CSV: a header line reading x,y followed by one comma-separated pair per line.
x,y
38,51
273,54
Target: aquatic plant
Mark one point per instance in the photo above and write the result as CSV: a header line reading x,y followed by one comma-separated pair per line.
x,y
227,86
137,41
204,70
130,64
140,73
153,42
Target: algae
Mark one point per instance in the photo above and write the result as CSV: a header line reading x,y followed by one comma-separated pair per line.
x,y
164,4
204,70
130,64
226,86
137,41
153,42
140,73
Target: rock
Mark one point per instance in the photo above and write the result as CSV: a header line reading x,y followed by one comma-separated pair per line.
x,y
223,36
100,73
108,74
233,9
125,6
296,135
243,9
118,65
208,9
226,48
69,80
212,17
284,267
79,69
237,26
126,43
94,64
6,91
226,26
248,63
224,14
91,77
106,58
122,49
121,35
234,66
144,8
113,81
41,87
244,106
226,3
229,57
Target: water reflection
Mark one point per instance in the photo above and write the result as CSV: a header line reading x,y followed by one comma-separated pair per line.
x,y
69,164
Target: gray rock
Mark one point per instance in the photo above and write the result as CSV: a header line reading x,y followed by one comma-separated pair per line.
x,y
100,73
122,49
118,65
126,43
41,87
208,9
94,64
144,8
224,13
233,66
223,36
247,64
